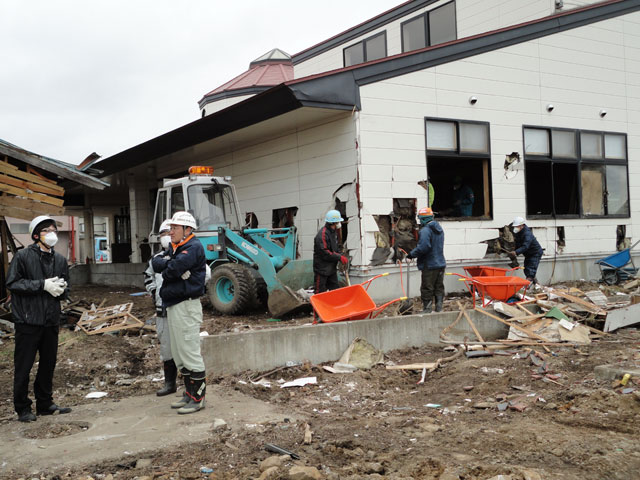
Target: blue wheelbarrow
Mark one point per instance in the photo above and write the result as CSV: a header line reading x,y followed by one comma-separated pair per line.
x,y
618,267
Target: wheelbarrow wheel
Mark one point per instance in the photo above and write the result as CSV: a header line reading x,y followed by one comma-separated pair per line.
x,y
232,289
610,277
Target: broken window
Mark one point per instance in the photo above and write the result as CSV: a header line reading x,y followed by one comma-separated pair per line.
x,y
284,217
396,231
573,173
459,167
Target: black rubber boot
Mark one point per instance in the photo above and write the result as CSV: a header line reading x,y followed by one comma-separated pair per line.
x,y
170,374
426,306
197,389
186,376
439,300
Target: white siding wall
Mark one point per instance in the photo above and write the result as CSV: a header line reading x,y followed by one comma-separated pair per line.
x,y
223,103
473,17
333,58
577,73
301,169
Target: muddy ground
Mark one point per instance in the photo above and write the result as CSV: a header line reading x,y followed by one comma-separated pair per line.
x,y
375,423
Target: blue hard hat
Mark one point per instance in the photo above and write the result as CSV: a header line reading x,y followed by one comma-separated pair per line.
x,y
333,216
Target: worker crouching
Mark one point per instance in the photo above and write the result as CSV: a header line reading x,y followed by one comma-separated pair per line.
x,y
431,262
183,280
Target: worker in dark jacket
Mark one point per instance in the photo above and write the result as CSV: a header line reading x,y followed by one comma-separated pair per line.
x,y
326,255
527,245
37,279
430,255
183,278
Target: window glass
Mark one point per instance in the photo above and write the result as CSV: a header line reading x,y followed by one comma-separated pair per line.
x,y
591,145
536,141
376,47
564,144
442,24
354,54
441,135
177,200
474,137
593,189
615,146
161,211
617,198
213,206
413,35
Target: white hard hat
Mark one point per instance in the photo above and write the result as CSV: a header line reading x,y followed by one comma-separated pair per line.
x,y
183,218
518,221
37,221
165,226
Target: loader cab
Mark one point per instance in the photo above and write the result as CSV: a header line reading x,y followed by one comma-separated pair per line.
x,y
211,200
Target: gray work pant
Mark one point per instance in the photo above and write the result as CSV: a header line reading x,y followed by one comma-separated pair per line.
x,y
185,319
164,337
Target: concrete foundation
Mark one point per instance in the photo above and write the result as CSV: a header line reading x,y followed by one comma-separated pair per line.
x,y
124,274
266,349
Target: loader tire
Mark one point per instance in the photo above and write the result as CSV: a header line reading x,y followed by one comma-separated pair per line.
x,y
261,294
232,289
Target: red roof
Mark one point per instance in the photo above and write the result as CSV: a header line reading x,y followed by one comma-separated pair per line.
x,y
273,68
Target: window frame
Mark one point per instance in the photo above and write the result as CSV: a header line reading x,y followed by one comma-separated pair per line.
x,y
427,30
363,44
457,153
579,161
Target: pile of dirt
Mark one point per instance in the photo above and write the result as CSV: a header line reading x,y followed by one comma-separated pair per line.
x,y
472,418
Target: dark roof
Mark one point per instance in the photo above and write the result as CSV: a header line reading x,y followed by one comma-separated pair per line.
x,y
266,71
339,89
59,168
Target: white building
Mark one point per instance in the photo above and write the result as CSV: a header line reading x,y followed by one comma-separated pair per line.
x,y
535,104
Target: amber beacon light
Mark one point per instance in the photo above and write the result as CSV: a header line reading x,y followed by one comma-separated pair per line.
x,y
200,170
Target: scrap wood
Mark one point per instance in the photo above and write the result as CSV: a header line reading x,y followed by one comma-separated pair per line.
x,y
126,322
514,325
414,366
588,305
443,334
471,324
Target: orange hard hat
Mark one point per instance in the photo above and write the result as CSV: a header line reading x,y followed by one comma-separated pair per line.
x,y
425,212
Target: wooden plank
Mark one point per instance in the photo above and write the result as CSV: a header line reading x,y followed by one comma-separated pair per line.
x,y
413,366
34,187
35,172
5,168
473,327
588,305
514,325
9,165
31,205
35,196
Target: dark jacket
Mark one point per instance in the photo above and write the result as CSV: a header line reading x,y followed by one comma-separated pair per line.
x,y
187,255
430,249
30,303
325,252
526,243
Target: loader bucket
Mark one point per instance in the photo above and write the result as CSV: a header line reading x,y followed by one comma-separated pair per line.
x,y
283,300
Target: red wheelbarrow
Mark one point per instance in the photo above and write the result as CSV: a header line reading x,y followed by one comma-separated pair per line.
x,y
348,303
482,271
500,288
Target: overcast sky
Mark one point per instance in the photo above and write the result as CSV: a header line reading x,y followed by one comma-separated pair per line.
x,y
78,76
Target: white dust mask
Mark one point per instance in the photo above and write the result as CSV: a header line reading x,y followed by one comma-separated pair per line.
x,y
50,239
165,241
517,229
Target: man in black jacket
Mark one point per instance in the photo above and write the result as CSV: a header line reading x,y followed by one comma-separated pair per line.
x,y
37,279
527,245
326,255
183,268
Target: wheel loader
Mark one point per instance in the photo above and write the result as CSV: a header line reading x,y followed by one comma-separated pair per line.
x,y
249,266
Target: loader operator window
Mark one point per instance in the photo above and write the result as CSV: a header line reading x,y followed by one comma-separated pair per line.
x,y
213,206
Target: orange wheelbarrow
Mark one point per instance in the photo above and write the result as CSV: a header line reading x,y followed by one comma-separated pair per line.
x,y
491,288
482,271
348,303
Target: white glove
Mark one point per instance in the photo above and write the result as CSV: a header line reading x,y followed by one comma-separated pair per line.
x,y
185,275
53,286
